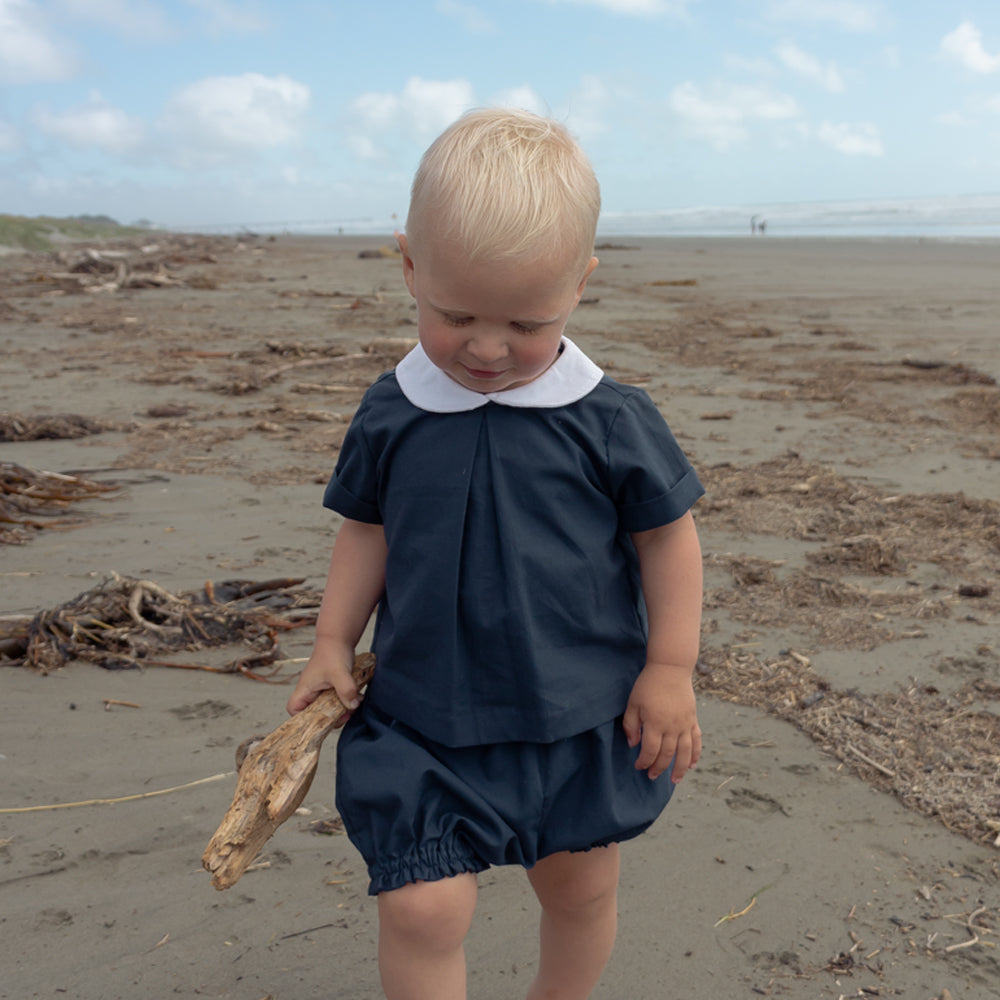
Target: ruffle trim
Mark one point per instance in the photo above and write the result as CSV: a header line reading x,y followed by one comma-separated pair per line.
x,y
427,863
618,838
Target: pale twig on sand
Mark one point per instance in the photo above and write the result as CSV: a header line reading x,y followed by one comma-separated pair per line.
x,y
123,798
733,914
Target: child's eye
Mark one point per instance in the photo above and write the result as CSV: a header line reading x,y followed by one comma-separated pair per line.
x,y
524,328
457,320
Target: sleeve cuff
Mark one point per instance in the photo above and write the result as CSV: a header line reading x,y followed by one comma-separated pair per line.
x,y
666,508
343,502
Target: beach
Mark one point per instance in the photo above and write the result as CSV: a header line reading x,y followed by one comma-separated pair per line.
x,y
839,400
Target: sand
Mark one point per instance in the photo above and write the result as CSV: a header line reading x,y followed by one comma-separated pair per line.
x,y
839,398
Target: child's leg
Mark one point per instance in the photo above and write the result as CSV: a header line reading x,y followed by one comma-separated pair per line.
x,y
422,928
579,897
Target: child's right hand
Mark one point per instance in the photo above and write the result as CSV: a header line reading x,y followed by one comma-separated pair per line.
x,y
328,667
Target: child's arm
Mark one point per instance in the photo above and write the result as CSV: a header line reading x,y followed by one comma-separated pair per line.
x,y
661,712
353,589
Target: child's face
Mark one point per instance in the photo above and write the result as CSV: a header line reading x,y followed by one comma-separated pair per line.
x,y
491,326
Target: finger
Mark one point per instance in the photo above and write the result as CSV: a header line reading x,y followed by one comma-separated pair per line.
x,y
653,749
696,748
686,756
347,692
682,762
300,699
666,755
688,753
633,728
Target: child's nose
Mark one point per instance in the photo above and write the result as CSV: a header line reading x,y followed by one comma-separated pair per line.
x,y
488,347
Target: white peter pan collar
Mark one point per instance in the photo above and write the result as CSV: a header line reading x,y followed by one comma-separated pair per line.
x,y
569,378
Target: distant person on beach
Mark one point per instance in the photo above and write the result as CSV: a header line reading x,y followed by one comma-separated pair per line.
x,y
522,523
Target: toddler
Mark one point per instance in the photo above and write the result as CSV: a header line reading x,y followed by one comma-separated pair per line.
x,y
522,524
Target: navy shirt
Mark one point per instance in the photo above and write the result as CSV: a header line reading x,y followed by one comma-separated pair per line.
x,y
512,608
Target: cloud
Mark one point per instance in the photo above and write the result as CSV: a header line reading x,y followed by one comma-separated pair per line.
x,y
723,114
828,76
853,15
523,97
636,8
222,117
422,110
965,44
95,125
753,65
976,112
27,51
891,57
227,16
472,18
134,18
952,119
590,105
10,138
852,140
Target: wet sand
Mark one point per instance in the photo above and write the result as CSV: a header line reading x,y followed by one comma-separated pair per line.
x,y
839,398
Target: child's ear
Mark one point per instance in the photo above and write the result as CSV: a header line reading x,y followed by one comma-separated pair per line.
x,y
404,249
591,264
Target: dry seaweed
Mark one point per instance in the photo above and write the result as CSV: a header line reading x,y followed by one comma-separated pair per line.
x,y
126,623
852,531
863,526
128,264
938,755
832,612
49,427
31,500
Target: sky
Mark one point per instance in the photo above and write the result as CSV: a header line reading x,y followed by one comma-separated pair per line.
x,y
219,112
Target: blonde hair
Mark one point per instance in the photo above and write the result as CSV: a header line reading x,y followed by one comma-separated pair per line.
x,y
506,184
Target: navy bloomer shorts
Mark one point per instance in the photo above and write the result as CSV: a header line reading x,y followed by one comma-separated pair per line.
x,y
417,810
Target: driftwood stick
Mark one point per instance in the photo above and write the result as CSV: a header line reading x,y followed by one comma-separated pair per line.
x,y
275,774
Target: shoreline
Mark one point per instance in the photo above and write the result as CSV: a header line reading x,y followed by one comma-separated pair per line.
x,y
612,240
649,238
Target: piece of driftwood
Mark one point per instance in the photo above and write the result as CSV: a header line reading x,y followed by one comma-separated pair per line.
x,y
275,773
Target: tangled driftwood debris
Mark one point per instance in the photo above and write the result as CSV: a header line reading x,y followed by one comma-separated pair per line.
x,y
111,271
127,264
49,427
938,755
275,773
125,623
31,500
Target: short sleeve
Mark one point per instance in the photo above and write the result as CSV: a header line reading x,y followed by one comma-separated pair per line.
x,y
652,480
353,488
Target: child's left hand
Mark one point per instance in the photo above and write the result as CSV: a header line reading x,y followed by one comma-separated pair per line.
x,y
661,715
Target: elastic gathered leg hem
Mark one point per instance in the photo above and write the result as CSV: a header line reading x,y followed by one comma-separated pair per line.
x,y
428,863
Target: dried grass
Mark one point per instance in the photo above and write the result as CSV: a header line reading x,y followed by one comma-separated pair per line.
x,y
938,755
864,527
